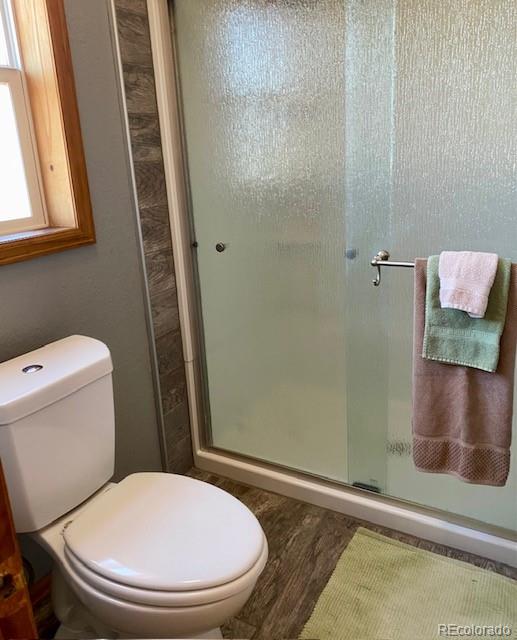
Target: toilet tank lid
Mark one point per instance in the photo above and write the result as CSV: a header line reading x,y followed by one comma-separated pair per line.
x,y
37,379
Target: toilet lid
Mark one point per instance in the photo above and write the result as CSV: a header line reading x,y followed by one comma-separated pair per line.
x,y
166,532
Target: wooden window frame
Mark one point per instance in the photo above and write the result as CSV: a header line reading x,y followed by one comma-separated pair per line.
x,y
48,75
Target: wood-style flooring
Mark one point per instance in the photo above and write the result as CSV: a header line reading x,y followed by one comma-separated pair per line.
x,y
305,542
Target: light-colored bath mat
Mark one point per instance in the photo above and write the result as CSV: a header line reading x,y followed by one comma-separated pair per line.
x,y
382,589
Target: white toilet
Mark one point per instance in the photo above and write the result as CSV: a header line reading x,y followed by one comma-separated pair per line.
x,y
154,556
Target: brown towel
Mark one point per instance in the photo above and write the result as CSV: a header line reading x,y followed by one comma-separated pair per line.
x,y
462,417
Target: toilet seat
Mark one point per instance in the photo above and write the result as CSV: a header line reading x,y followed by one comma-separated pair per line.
x,y
157,598
165,540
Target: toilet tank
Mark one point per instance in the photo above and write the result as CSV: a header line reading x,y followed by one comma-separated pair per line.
x,y
57,428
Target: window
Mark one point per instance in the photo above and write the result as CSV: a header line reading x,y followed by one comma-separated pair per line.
x,y
44,197
21,197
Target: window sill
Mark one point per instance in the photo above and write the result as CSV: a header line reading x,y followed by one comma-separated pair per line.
x,y
24,245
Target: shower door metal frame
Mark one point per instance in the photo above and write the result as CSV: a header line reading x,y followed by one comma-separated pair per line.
x,y
427,522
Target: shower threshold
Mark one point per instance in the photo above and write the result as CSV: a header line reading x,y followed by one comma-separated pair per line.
x,y
440,527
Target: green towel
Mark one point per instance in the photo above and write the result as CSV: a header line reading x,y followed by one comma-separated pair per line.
x,y
452,336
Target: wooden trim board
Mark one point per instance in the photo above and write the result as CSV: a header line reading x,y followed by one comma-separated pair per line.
x,y
48,73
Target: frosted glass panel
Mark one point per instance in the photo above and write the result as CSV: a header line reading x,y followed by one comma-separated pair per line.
x,y
441,175
454,181
263,92
319,132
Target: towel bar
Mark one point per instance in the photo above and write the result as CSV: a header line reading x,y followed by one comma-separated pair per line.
x,y
382,259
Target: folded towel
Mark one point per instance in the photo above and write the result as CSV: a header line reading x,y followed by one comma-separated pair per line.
x,y
466,278
452,336
462,417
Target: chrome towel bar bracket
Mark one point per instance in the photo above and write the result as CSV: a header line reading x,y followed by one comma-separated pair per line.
x,y
382,259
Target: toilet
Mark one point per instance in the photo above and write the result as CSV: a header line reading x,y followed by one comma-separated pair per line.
x,y
156,555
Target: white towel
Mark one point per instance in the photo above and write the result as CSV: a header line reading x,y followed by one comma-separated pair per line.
x,y
466,278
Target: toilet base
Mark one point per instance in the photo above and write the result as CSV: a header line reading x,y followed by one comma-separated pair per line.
x,y
77,623
66,633
213,633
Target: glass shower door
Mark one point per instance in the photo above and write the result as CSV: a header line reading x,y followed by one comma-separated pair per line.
x,y
317,134
431,86
263,89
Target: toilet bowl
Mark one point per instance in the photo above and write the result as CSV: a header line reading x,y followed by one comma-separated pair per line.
x,y
154,556
188,563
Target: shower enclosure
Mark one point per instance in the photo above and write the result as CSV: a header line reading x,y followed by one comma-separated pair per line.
x,y
316,133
